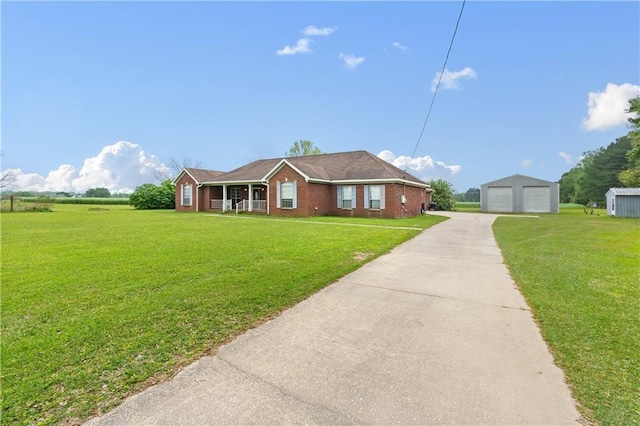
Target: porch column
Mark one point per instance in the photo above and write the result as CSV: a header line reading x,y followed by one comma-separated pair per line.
x,y
224,198
250,197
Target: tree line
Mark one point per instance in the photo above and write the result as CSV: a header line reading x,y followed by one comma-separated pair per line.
x,y
616,165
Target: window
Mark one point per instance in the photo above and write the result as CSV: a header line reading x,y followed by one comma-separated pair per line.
x,y
186,195
346,196
286,195
374,197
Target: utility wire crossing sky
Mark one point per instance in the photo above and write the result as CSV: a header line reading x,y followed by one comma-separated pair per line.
x,y
106,94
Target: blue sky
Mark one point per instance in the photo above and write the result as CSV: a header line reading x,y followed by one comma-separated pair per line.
x,y
104,94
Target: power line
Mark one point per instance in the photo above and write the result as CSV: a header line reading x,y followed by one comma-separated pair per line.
x,y
439,80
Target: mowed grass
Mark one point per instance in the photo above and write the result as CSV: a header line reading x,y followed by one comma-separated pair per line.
x,y
99,304
581,276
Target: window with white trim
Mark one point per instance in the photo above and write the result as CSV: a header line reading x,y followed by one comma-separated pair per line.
x,y
374,197
286,195
346,197
186,194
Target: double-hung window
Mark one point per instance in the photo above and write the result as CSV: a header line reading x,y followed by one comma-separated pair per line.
x,y
346,197
374,197
186,194
286,195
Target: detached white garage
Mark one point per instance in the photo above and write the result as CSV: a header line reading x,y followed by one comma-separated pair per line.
x,y
520,194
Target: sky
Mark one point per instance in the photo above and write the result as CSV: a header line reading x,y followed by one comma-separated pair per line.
x,y
108,94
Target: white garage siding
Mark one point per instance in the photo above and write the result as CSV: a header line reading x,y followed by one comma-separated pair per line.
x,y
536,199
519,194
500,199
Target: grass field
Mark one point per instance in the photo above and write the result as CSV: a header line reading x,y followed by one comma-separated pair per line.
x,y
99,303
581,276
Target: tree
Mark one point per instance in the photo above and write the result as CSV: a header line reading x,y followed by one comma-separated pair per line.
x,y
97,193
300,148
442,194
150,196
175,166
601,169
631,176
7,180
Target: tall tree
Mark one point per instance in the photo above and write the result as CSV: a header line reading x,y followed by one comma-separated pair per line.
x,y
442,194
175,166
631,176
602,168
300,148
7,180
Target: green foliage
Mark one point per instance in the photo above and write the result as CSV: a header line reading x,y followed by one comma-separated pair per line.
x,y
631,176
602,170
579,274
300,148
117,299
471,196
150,196
443,194
98,193
598,171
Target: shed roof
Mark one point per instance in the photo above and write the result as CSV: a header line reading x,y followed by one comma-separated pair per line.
x,y
510,180
625,191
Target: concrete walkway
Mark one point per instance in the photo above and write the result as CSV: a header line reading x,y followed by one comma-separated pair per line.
x,y
434,332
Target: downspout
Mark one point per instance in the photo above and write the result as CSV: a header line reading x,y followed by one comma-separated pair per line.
x,y
268,200
198,197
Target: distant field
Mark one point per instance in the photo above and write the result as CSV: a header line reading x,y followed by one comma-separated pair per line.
x,y
100,302
81,200
580,273
470,207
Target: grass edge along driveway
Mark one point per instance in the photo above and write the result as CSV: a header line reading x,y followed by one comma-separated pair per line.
x,y
99,304
581,276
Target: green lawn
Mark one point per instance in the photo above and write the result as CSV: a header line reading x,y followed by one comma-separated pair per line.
x,y
99,303
580,273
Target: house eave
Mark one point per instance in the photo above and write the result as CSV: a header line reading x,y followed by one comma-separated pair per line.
x,y
380,181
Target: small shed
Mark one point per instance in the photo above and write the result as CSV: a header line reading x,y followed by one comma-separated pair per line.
x,y
623,202
520,194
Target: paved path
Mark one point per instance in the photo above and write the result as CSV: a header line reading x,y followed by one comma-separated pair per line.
x,y
434,332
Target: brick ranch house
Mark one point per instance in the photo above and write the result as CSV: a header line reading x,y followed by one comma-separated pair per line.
x,y
342,184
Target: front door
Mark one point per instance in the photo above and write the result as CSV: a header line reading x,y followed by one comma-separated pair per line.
x,y
236,196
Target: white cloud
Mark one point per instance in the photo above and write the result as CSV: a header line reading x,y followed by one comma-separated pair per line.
x,y
567,157
351,61
526,163
399,46
607,109
312,30
302,46
425,168
120,167
450,78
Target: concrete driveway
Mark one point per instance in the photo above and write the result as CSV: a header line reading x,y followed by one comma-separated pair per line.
x,y
434,332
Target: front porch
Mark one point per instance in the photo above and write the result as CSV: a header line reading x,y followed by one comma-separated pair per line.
x,y
239,198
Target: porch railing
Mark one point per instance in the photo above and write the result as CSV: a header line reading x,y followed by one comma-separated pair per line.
x,y
256,206
217,204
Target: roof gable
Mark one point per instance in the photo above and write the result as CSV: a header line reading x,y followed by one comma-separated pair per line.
x,y
624,191
337,167
198,175
511,180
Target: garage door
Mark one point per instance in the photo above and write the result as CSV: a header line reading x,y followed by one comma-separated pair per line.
x,y
500,199
537,199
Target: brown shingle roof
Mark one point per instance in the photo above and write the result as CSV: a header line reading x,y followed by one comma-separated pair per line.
x,y
341,166
202,175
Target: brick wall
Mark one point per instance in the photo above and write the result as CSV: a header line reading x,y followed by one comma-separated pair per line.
x,y
186,180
